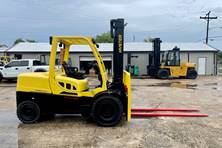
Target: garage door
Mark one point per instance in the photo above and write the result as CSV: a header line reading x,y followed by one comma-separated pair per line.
x,y
202,66
86,63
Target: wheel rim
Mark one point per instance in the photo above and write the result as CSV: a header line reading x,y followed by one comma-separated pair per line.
x,y
107,111
28,113
164,74
192,74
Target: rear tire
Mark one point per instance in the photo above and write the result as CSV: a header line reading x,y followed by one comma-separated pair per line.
x,y
28,112
191,74
163,74
107,111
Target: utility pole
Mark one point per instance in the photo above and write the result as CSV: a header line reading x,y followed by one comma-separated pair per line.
x,y
208,18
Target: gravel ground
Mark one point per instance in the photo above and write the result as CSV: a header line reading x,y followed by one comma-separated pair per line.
x,y
205,94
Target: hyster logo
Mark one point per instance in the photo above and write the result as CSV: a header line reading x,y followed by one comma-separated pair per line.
x,y
120,41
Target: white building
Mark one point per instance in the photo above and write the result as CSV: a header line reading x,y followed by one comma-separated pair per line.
x,y
201,54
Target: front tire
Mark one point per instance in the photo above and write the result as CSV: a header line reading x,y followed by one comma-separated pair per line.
x,y
28,112
107,111
163,74
191,74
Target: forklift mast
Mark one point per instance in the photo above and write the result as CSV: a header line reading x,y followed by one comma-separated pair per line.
x,y
117,33
154,58
156,52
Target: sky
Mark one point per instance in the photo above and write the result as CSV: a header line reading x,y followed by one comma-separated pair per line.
x,y
170,20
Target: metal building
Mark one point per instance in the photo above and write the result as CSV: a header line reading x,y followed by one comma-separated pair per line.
x,y
135,53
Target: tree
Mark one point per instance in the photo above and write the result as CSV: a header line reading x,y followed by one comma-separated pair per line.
x,y
31,41
19,40
147,40
104,38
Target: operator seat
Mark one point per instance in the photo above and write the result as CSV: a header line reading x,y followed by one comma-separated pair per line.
x,y
72,72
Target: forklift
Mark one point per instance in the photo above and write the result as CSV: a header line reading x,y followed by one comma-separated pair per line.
x,y
170,65
66,90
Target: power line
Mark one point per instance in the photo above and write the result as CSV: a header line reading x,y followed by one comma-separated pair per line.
x,y
208,18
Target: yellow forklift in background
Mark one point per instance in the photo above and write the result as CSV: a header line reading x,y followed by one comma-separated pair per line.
x,y
66,91
170,65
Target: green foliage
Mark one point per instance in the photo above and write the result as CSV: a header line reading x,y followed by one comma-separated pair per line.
x,y
219,57
148,40
31,41
19,40
104,38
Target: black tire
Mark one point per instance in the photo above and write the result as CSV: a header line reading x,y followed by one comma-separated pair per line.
x,y
163,74
28,112
191,74
107,111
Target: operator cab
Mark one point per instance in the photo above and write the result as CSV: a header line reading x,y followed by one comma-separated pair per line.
x,y
69,70
173,57
69,78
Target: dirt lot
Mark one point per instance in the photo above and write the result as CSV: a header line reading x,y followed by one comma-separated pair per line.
x,y
205,93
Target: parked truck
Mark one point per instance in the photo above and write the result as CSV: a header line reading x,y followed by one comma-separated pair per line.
x,y
11,70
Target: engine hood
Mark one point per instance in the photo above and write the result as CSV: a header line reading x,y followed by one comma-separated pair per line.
x,y
33,82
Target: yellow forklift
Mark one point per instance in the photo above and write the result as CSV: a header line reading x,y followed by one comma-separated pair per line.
x,y
66,90
170,65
